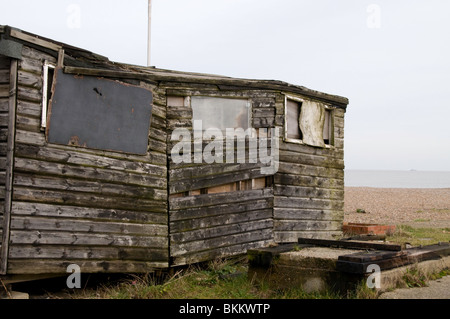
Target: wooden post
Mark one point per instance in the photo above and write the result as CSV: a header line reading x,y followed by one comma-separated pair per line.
x,y
9,165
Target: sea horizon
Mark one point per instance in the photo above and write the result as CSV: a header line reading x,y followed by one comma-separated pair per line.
x,y
396,178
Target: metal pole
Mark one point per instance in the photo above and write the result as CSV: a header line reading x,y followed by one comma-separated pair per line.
x,y
149,31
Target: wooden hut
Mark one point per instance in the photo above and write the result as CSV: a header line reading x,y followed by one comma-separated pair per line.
x,y
91,173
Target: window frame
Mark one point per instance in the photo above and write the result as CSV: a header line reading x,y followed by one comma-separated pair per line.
x,y
248,106
330,109
45,88
327,108
298,100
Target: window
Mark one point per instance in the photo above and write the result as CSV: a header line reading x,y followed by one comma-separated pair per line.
x,y
308,122
47,73
293,109
98,113
176,101
327,127
221,113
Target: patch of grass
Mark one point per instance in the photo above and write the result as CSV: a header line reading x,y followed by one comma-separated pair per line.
x,y
414,277
218,279
419,236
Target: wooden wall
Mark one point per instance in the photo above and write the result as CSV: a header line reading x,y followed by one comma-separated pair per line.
x,y
213,210
309,186
105,211
4,105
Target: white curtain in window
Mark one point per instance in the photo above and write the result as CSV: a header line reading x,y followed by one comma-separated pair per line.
x,y
312,120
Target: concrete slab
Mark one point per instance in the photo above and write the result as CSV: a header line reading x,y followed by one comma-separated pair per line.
x,y
314,269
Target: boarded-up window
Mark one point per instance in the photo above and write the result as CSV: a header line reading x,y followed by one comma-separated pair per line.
x,y
101,114
293,109
221,113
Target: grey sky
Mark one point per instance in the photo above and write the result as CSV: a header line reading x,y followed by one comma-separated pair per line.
x,y
390,58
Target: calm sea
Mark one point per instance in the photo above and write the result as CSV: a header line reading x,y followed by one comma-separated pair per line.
x,y
397,179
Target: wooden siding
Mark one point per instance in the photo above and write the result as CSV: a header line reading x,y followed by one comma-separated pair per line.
x,y
228,220
309,186
4,117
105,211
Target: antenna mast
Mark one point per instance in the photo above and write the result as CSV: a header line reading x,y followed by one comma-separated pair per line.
x,y
149,31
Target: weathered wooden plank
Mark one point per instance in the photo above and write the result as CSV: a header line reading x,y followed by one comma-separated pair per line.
x,y
308,181
220,210
263,102
88,173
29,108
292,236
213,169
29,79
29,94
29,52
157,146
211,181
36,237
307,214
9,166
305,149
158,135
83,199
95,187
90,226
219,231
264,112
4,104
310,159
32,124
31,65
178,112
306,225
222,198
349,244
219,252
76,157
308,192
201,245
4,90
4,76
87,213
87,253
45,266
35,40
301,169
218,220
4,119
307,203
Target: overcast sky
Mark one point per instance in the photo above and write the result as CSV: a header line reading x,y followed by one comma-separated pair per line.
x,y
391,59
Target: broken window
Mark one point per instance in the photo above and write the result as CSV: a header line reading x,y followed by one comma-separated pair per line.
x,y
221,113
97,113
293,109
47,82
327,127
308,122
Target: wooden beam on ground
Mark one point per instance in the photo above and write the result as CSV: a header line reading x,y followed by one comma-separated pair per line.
x,y
349,244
